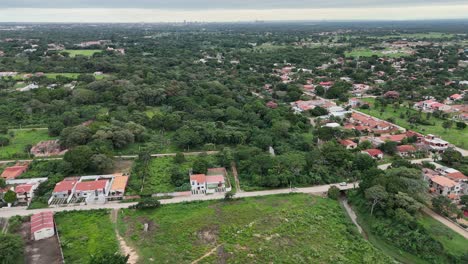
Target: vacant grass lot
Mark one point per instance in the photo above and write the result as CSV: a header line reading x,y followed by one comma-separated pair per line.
x,y
22,138
159,178
87,53
453,135
453,243
72,75
84,234
294,228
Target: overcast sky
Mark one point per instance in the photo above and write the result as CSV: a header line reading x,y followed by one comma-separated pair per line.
x,y
226,10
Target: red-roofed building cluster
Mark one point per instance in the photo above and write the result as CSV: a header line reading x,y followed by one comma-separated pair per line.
x,y
214,181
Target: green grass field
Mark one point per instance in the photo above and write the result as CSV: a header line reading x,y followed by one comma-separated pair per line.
x,y
453,135
294,228
453,242
85,233
159,178
428,35
20,140
370,53
87,53
72,75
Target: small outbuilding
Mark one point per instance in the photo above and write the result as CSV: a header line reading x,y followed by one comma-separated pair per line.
x,y
42,225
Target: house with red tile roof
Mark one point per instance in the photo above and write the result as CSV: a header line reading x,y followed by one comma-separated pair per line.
x,y
86,189
212,182
406,150
454,97
65,188
272,105
25,192
441,185
374,153
42,225
13,172
348,144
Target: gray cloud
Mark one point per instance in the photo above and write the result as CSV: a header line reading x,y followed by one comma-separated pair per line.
x,y
220,4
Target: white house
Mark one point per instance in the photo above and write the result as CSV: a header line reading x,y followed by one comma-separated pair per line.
x,y
42,225
25,192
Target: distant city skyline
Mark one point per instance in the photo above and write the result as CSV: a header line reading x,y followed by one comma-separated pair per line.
x,y
227,11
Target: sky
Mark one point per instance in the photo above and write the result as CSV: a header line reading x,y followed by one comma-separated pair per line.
x,y
227,10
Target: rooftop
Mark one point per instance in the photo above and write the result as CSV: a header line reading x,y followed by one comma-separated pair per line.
x,y
119,183
443,181
65,185
42,220
91,185
13,172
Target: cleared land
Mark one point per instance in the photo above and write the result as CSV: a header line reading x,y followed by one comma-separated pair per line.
x,y
453,135
295,228
84,234
87,53
21,139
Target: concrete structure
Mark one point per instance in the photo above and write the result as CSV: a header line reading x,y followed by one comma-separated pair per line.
x,y
212,182
435,144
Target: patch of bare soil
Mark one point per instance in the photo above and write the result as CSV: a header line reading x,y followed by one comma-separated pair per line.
x,y
122,166
124,247
208,235
45,251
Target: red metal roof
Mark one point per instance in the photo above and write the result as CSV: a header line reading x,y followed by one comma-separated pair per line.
x,y
64,186
13,172
215,179
90,185
347,142
42,220
456,176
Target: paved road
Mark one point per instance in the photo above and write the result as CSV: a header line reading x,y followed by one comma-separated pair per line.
x,y
416,161
9,212
446,222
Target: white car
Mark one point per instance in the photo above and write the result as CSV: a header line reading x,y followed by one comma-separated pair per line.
x,y
343,184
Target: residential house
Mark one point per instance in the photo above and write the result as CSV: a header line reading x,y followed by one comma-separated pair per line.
x,y
441,185
406,150
374,153
435,144
42,225
430,106
65,188
198,183
25,192
119,184
13,172
355,102
348,144
92,191
454,97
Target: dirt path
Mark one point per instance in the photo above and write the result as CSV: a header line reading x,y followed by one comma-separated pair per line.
x,y
446,222
352,215
207,254
236,176
126,250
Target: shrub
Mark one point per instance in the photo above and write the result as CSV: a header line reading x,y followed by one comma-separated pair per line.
x,y
147,203
333,193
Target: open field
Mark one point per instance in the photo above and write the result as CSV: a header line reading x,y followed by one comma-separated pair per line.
x,y
159,176
73,75
87,53
370,53
85,233
20,140
453,242
293,228
419,36
455,136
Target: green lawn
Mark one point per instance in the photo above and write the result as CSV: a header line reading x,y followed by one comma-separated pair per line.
x,y
20,140
87,53
294,228
453,243
455,136
369,53
85,233
72,75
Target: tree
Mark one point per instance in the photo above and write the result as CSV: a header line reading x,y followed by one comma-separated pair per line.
x,y
464,201
108,258
179,158
55,128
461,125
451,156
74,136
333,192
444,206
11,247
79,157
4,141
178,176
10,197
377,195
447,124
389,147
2,183
101,163
363,162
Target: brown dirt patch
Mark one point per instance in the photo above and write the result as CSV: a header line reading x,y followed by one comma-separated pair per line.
x,y
208,235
